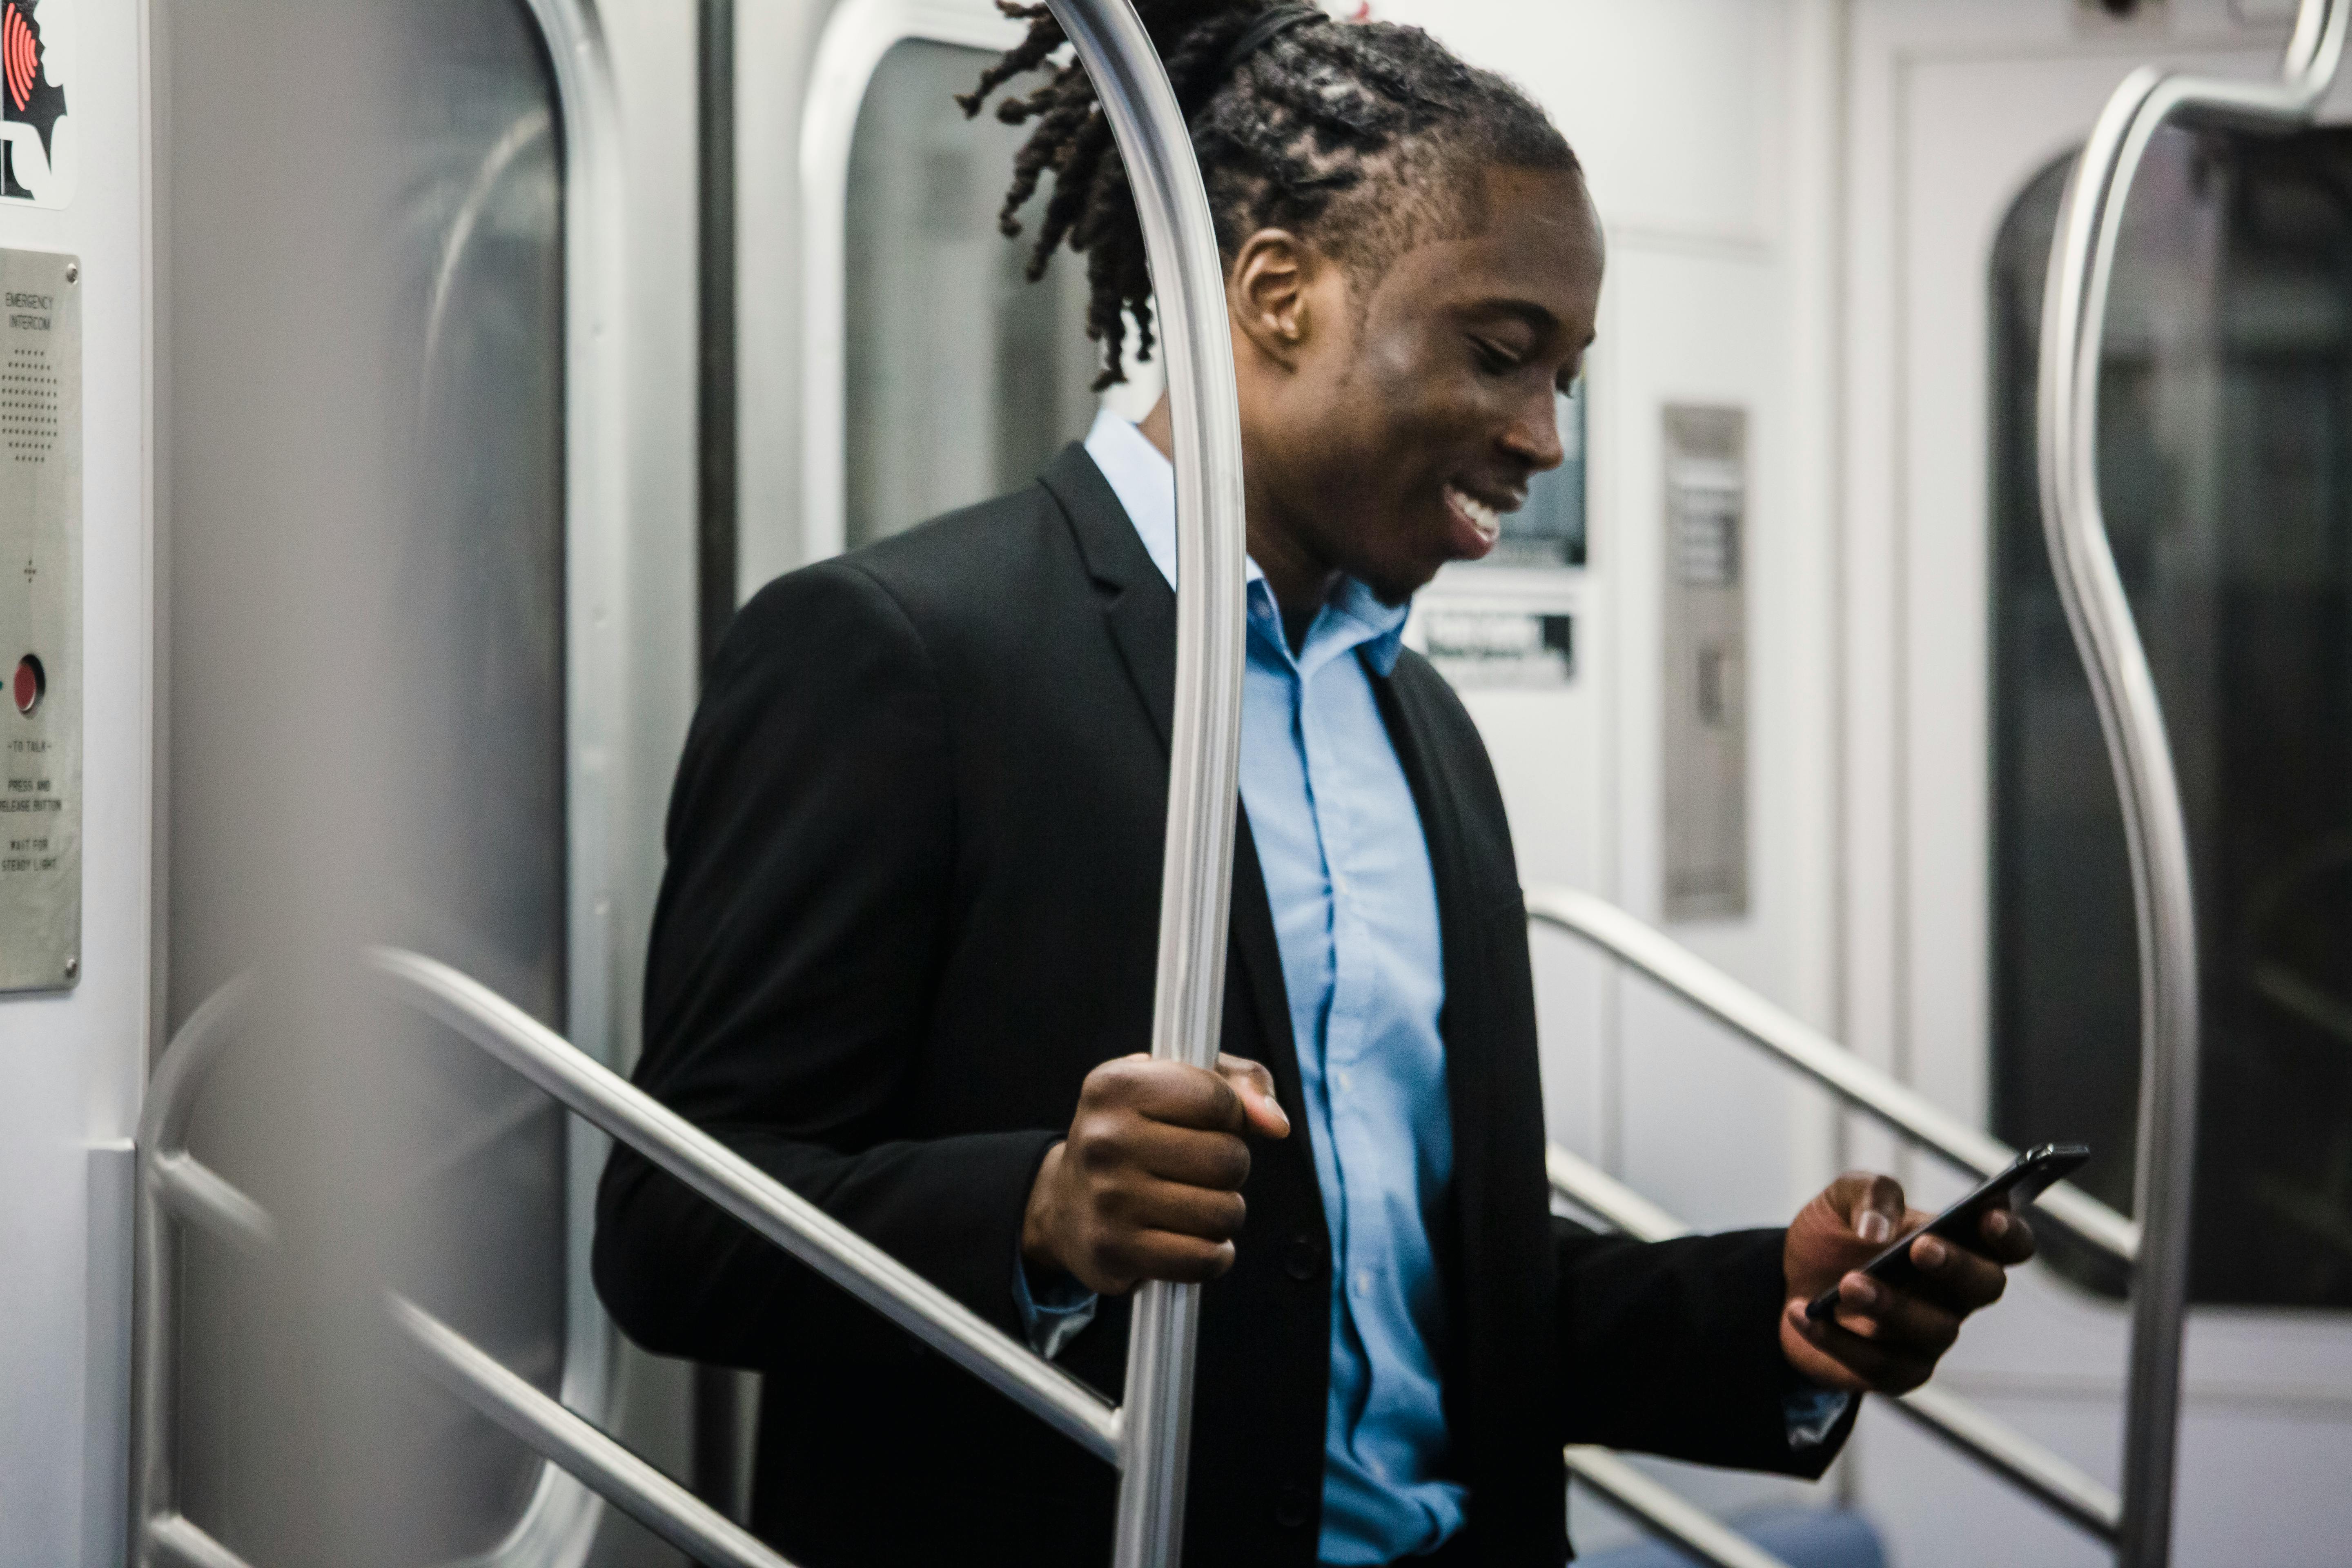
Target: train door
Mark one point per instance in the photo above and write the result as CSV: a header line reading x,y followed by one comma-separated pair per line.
x,y
1988,950
429,654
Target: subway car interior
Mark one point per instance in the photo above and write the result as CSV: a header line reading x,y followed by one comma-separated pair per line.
x,y
1921,693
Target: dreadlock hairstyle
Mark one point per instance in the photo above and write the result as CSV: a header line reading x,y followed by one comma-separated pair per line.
x,y
1366,137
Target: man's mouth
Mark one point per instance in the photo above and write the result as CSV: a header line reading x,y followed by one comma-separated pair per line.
x,y
1478,524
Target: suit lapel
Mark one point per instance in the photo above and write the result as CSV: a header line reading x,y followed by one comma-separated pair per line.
x,y
1139,610
1138,605
1254,944
1464,1025
1459,918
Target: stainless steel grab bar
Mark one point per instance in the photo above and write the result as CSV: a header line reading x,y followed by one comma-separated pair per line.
x,y
1865,1088
2063,1488
2074,326
175,1184
575,1445
1188,277
782,1216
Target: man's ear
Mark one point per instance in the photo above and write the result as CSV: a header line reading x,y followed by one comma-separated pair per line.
x,y
1269,291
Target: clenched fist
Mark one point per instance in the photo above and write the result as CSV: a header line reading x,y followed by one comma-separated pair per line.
x,y
1148,1184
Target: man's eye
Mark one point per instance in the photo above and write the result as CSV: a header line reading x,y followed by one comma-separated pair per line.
x,y
1494,358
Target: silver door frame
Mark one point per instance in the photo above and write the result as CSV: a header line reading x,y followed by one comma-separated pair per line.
x,y
558,1524
857,36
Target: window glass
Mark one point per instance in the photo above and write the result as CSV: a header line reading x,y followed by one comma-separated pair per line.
x,y
963,378
2225,461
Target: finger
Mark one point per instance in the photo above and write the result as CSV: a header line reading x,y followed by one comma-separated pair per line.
x,y
1895,1319
1137,1256
1836,1357
2006,1238
1956,1276
1255,1087
1879,1213
1176,1093
1870,1206
1217,1160
1177,1209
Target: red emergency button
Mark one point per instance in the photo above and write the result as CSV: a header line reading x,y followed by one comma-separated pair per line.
x,y
32,682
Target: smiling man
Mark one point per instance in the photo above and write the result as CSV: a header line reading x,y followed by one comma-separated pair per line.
x,y
904,957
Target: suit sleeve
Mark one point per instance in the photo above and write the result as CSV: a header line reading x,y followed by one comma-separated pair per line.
x,y
791,971
1673,1348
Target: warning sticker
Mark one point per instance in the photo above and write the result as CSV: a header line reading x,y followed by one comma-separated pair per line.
x,y
37,152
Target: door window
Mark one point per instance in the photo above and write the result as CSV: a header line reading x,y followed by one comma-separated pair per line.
x,y
963,377
2225,462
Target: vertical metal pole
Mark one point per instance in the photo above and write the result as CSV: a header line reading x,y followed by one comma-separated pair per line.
x,y
1188,278
2082,263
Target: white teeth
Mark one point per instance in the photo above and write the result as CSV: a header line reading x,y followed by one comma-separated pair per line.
x,y
1483,518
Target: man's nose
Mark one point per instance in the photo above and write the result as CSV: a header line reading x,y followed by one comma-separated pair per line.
x,y
1533,433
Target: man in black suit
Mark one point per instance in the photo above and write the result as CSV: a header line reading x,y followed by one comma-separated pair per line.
x,y
904,955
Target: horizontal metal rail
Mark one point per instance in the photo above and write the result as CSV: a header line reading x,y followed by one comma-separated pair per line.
x,y
751,1194
203,1197
2062,1486
177,1186
1666,1511
1800,1045
177,1539
574,1444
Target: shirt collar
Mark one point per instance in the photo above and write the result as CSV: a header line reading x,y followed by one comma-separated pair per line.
x,y
1145,483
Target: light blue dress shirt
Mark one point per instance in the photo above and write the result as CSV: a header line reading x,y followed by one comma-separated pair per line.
x,y
1348,875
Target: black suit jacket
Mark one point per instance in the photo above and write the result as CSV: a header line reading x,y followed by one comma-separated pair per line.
x,y
911,901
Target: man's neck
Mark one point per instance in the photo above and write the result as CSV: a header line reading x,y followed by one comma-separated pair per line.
x,y
1301,583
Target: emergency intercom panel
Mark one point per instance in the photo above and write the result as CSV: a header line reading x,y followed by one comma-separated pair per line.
x,y
40,620
1705,639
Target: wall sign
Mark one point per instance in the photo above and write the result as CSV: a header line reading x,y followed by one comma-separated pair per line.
x,y
37,142
40,618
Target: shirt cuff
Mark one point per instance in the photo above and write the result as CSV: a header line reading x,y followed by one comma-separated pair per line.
x,y
1051,1317
1812,1413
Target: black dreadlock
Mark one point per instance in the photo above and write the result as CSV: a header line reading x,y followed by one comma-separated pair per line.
x,y
1360,135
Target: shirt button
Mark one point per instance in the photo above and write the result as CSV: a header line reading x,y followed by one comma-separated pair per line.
x,y
1342,1079
1303,1258
1293,1506
1363,1281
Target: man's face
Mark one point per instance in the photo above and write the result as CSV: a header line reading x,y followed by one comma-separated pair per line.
x,y
1421,406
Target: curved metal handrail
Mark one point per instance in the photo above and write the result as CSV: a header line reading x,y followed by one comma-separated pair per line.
x,y
2074,319
1862,1086
176,1184
770,1209
1188,274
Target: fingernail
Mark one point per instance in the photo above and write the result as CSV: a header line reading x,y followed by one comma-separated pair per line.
x,y
1874,1227
1997,1223
1930,1253
1861,1292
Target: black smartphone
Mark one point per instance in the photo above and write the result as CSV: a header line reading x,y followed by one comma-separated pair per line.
x,y
2035,1170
